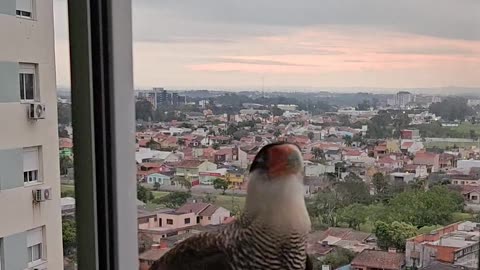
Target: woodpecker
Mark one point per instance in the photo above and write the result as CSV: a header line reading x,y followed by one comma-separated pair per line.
x,y
270,233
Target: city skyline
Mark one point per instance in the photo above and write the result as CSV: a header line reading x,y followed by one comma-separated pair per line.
x,y
282,45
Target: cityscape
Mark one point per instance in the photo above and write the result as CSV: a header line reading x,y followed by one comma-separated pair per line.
x,y
391,169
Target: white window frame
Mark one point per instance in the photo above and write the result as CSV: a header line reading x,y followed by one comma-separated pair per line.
x,y
36,237
29,68
33,176
22,10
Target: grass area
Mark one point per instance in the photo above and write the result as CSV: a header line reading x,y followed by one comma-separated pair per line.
x,y
225,201
459,216
160,194
464,128
67,188
443,145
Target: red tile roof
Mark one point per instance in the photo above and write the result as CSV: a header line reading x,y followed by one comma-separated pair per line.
x,y
65,143
209,211
406,145
379,259
189,163
192,208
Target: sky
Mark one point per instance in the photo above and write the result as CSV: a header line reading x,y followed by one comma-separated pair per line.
x,y
304,44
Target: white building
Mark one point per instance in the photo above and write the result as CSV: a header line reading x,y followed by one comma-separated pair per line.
x,y
30,229
403,98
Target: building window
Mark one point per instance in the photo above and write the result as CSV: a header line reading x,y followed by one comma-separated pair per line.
x,y
31,165
170,221
25,9
35,247
209,218
187,221
474,198
28,82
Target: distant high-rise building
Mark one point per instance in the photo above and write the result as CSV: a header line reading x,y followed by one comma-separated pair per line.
x,y
403,98
31,225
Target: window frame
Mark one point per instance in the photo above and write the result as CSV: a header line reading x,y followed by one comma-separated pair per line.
x,y
41,260
32,12
38,171
100,33
29,68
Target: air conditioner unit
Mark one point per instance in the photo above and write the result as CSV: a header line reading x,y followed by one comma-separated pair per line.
x,y
42,194
36,111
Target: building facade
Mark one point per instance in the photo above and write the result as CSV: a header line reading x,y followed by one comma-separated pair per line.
x,y
30,227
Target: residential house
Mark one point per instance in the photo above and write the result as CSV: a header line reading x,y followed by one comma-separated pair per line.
x,y
159,178
236,177
380,150
378,259
471,194
147,258
420,171
190,169
431,160
410,134
465,180
65,147
354,155
389,163
447,161
147,155
317,169
206,213
145,169
455,244
220,140
333,155
411,147
207,178
402,177
347,238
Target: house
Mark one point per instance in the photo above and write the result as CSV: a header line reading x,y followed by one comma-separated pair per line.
x,y
402,177
471,194
147,155
158,178
380,150
411,147
333,155
190,169
378,259
389,163
431,160
347,238
207,178
354,155
65,146
455,244
447,161
235,177
317,169
410,134
206,213
420,171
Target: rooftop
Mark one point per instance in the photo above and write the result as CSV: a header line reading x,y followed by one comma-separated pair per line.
x,y
379,259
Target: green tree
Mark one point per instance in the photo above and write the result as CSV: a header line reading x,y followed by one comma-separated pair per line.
x,y
277,133
393,235
145,242
353,191
339,258
276,111
156,186
69,236
65,164
323,208
64,112
311,135
364,105
183,182
348,140
68,193
452,108
174,199
221,184
380,183
144,110
354,215
143,194
216,146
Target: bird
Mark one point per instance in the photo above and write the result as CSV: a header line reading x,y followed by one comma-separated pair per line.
x,y
270,233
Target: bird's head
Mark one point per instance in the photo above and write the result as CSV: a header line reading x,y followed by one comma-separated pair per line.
x,y
275,188
277,161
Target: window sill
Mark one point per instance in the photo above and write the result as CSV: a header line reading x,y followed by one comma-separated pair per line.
x,y
37,265
25,18
33,184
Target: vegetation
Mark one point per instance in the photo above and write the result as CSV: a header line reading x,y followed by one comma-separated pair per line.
x,y
144,194
393,235
336,259
69,235
65,164
452,109
173,200
221,184
64,111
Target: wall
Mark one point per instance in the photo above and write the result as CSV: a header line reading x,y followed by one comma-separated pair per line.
x,y
219,216
178,220
30,41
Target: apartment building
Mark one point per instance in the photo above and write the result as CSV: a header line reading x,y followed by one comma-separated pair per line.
x,y
30,215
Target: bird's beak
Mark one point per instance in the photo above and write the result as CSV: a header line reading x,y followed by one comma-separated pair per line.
x,y
283,160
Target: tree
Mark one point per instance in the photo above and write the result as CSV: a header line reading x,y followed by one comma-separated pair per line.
x,y
64,112
354,215
174,199
311,135
209,198
216,146
65,164
63,133
380,183
276,111
364,105
452,108
156,186
154,145
348,140
277,133
339,258
393,235
144,110
344,120
318,153
69,236
143,194
323,208
353,191
183,182
221,184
